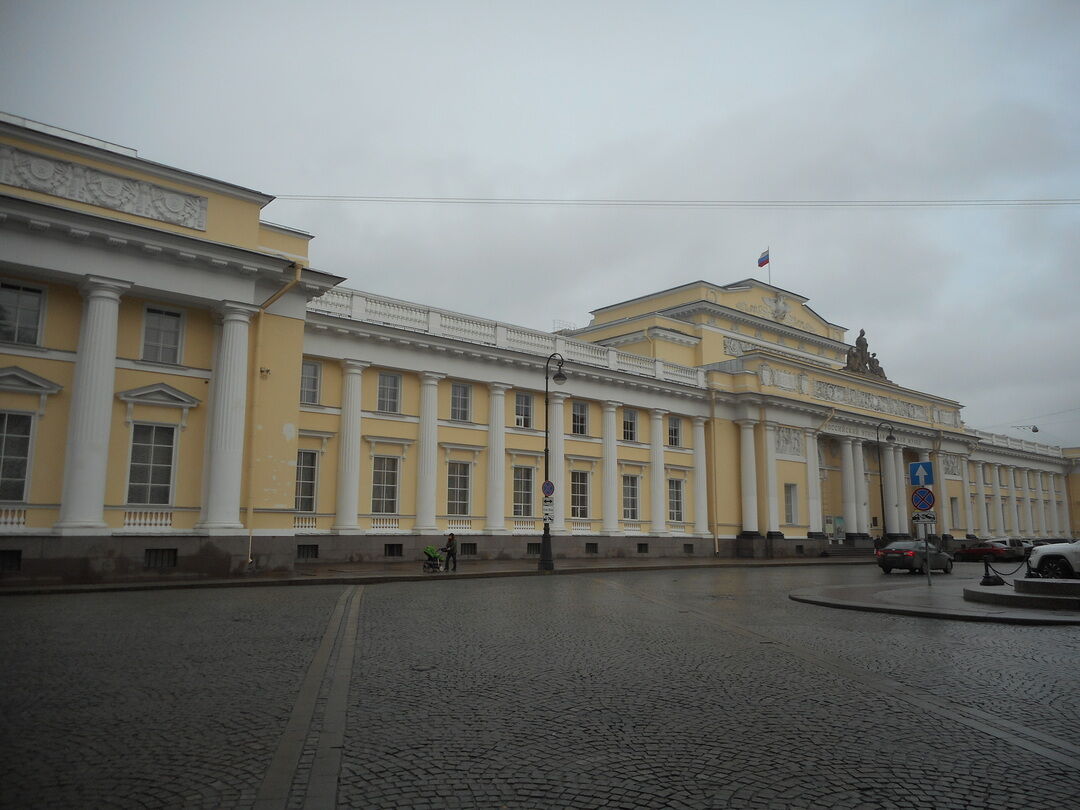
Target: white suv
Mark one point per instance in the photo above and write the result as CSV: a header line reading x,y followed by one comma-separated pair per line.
x,y
1057,560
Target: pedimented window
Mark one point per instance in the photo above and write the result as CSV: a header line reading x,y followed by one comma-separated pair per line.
x,y
20,381
158,395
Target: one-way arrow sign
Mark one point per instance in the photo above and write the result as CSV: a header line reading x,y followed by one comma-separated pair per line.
x,y
921,473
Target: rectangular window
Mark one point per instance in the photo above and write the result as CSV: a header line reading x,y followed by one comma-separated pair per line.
x,y
579,418
791,503
161,336
393,549
688,548
159,558
579,494
523,491
20,313
675,500
384,486
532,549
389,393
642,548
592,548
630,497
460,402
674,431
307,551
14,455
523,412
310,372
306,469
457,488
468,550
954,511
150,476
629,425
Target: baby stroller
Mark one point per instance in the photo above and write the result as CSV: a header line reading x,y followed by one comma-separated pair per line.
x,y
433,560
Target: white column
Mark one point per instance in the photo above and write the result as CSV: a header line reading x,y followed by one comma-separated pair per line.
x,y
1055,519
772,506
657,473
496,476
862,491
969,518
996,512
226,448
427,456
610,469
556,460
1014,517
888,487
902,521
1029,520
980,501
349,431
86,459
813,482
945,519
847,475
748,476
701,487
1066,522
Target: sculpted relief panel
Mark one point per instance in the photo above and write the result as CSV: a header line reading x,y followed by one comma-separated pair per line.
x,y
789,441
779,378
952,465
871,402
73,181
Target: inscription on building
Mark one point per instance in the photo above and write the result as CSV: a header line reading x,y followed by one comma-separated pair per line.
x,y
843,395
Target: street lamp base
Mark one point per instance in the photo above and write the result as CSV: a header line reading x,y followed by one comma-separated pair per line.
x,y
547,561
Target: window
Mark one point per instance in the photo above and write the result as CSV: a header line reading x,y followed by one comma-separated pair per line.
x,y
579,418
954,511
393,549
469,550
630,497
523,491
460,401
306,464
523,412
159,558
310,372
14,455
674,431
384,486
629,425
161,336
592,548
20,313
150,476
675,500
457,489
389,393
307,551
688,548
791,503
642,548
532,549
579,494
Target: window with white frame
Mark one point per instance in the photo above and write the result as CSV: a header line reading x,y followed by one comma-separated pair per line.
x,y
629,425
161,335
954,511
307,468
579,418
579,494
791,503
20,313
675,500
674,431
151,472
523,409
389,400
630,497
460,402
523,491
384,485
14,455
457,488
310,376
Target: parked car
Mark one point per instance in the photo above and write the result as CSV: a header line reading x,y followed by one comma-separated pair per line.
x,y
910,555
997,550
1056,560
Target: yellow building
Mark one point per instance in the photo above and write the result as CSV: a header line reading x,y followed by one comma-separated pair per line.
x,y
179,390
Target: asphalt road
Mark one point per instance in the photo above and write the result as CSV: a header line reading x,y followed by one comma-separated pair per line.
x,y
685,688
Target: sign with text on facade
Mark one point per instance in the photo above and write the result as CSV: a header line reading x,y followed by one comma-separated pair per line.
x,y
924,517
921,473
549,509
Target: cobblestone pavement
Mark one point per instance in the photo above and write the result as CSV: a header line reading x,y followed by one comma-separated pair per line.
x,y
689,688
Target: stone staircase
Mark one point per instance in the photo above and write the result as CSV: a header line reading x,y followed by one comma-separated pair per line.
x,y
1044,594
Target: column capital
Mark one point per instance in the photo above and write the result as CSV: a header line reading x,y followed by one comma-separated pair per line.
x,y
746,423
236,311
431,377
700,420
558,397
610,405
350,366
499,387
101,286
658,413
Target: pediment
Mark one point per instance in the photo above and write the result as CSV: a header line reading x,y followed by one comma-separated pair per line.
x,y
19,380
159,394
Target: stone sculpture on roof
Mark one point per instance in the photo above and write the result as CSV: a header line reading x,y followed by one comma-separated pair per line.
x,y
861,360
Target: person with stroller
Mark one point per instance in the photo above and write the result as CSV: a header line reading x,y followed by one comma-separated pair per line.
x,y
450,550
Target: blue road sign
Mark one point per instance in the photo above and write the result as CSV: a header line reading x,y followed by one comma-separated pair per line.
x,y
548,488
921,473
922,499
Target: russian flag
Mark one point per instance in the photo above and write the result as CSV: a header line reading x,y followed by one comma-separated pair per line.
x,y
763,259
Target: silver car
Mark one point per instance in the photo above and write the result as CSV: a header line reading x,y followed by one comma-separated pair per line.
x,y
910,555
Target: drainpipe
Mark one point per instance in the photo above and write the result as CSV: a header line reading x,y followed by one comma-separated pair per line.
x,y
256,367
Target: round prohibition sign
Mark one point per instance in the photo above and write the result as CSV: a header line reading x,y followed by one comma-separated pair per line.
x,y
548,489
922,499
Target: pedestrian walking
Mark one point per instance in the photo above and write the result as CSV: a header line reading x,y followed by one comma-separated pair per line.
x,y
450,550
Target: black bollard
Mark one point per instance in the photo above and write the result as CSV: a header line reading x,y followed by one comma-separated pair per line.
x,y
988,578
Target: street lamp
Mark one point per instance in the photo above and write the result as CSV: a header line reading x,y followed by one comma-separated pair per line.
x,y
547,561
1032,428
881,469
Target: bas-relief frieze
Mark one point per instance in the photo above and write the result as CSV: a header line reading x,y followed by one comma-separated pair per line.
x,y
830,392
789,441
775,309
73,181
952,465
785,380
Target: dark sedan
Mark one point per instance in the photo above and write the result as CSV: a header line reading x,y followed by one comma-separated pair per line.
x,y
996,550
910,555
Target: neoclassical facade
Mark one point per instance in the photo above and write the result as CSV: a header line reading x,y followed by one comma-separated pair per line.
x,y
180,391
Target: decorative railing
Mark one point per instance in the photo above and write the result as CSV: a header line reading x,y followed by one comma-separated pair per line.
x,y
385,523
459,525
998,440
632,526
12,517
525,525
304,522
147,519
580,526
362,306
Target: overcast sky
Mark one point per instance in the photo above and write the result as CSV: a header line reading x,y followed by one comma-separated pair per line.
x,y
857,100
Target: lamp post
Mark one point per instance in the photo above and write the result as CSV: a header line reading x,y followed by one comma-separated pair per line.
x,y
547,561
881,470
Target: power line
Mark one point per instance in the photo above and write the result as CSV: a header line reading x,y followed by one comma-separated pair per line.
x,y
659,203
